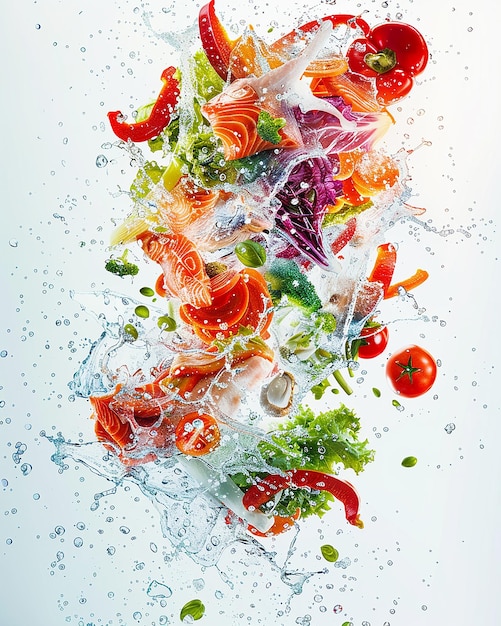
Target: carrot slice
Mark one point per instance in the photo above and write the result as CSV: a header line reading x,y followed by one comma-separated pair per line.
x,y
327,67
228,309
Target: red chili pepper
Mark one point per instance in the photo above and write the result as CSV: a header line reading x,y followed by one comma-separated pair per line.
x,y
266,489
393,53
383,269
158,118
345,236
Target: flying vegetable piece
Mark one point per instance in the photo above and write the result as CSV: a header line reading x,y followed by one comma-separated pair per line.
x,y
120,266
285,278
267,488
303,207
392,53
158,118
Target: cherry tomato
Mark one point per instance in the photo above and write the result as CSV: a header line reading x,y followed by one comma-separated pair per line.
x,y
197,434
411,372
374,341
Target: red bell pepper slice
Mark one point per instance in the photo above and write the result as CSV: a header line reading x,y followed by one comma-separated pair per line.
x,y
159,117
393,53
383,269
345,236
266,489
215,41
413,281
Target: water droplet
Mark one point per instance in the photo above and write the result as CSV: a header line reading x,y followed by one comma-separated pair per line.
x,y
78,542
449,428
101,161
158,590
13,243
26,469
4,482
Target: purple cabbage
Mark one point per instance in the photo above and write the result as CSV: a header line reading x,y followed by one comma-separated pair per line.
x,y
304,198
323,129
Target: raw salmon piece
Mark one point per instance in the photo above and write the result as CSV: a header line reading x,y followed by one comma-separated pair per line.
x,y
183,267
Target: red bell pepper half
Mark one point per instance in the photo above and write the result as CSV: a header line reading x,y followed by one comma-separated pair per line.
x,y
159,117
393,53
266,489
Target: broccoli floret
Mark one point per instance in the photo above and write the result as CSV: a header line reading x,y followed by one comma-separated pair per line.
x,y
120,266
268,126
285,278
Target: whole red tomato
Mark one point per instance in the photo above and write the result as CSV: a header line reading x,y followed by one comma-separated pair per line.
x,y
411,371
374,341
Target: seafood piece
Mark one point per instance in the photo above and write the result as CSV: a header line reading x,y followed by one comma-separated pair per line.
x,y
277,396
183,267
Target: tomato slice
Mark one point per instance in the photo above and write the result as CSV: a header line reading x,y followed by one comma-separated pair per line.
x,y
197,434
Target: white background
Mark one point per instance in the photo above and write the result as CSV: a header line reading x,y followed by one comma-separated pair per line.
x,y
430,551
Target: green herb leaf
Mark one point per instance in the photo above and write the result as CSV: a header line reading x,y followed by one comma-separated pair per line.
x,y
195,608
329,553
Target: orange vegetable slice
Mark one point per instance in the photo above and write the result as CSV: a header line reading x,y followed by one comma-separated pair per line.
x,y
226,310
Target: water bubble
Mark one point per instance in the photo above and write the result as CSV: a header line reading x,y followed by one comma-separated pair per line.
x,y
78,542
4,482
111,550
13,243
158,590
101,161
338,608
3,354
449,428
26,469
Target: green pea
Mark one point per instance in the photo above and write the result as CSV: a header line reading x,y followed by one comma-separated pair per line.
x,y
147,291
195,608
142,311
396,403
376,392
166,323
409,461
250,253
329,553
130,332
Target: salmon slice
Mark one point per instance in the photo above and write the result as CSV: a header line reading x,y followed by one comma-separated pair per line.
x,y
109,426
183,267
184,204
233,116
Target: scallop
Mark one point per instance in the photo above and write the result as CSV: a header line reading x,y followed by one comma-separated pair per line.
x,y
277,396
